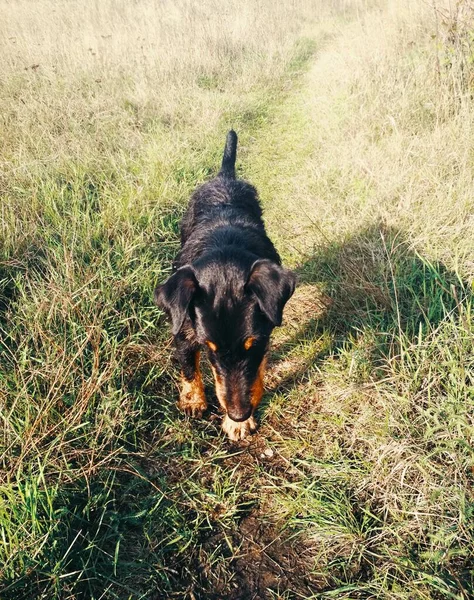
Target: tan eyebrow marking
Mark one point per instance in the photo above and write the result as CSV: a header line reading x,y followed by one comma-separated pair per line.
x,y
211,345
249,343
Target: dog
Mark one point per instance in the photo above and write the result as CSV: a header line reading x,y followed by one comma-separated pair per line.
x,y
226,293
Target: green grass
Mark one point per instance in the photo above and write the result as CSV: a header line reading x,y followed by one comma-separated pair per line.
x,y
359,481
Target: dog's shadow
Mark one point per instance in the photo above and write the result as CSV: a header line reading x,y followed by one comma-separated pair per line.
x,y
372,280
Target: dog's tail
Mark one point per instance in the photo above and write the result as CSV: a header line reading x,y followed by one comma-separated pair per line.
x,y
230,154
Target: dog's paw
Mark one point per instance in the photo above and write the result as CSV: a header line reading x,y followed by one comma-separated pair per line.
x,y
192,400
238,431
193,410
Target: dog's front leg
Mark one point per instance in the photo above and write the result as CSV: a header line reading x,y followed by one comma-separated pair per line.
x,y
192,400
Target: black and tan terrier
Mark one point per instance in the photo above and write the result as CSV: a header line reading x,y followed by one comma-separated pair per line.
x,y
227,292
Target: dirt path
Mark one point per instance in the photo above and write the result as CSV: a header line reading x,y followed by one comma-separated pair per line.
x,y
308,129
336,468
304,132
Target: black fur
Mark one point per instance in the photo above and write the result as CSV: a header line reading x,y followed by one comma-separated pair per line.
x,y
228,284
230,155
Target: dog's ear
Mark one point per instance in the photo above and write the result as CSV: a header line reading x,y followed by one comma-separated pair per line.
x,y
175,295
273,286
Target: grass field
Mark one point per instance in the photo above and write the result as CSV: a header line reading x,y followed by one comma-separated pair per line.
x,y
356,124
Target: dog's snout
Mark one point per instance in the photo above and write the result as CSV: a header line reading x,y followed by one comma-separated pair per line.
x,y
239,414
238,403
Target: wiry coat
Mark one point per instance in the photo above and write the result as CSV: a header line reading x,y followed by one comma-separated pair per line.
x,y
227,292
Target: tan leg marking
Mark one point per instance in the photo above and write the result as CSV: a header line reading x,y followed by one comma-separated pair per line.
x,y
238,431
192,400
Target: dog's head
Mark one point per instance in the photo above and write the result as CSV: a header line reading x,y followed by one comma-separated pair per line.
x,y
232,303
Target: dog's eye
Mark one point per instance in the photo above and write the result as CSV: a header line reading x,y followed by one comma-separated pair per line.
x,y
249,343
211,345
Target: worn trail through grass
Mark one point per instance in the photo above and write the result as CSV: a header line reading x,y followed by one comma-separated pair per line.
x,y
348,406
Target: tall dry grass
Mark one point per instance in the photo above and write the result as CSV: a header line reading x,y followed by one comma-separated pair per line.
x,y
112,95
82,79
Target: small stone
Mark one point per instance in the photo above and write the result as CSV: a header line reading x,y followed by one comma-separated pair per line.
x,y
268,452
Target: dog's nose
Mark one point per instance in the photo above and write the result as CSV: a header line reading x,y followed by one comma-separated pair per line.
x,y
239,415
